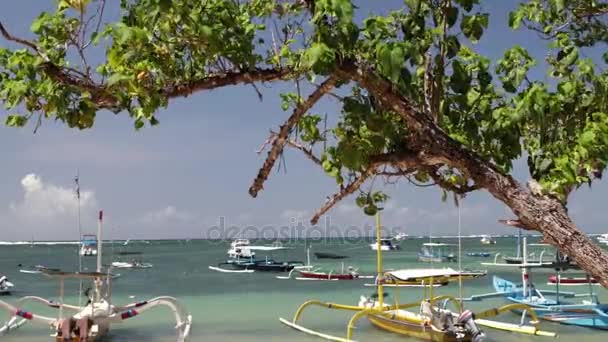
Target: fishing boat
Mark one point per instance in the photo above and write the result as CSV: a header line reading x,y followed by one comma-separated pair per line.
x,y
250,264
603,239
325,255
533,257
548,304
487,240
588,313
310,272
384,245
88,245
479,254
401,237
571,281
91,321
425,319
349,274
436,252
133,262
5,286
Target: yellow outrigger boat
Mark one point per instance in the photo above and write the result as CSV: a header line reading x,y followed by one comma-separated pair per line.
x,y
429,321
420,277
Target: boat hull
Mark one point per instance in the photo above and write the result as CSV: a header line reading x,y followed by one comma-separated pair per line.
x,y
321,255
429,258
412,328
326,276
582,317
572,281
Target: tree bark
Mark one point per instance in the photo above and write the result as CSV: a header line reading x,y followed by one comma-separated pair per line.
x,y
539,212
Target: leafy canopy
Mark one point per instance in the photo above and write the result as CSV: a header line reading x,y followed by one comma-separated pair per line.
x,y
428,50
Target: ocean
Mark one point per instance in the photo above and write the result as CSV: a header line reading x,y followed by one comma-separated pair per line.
x,y
229,306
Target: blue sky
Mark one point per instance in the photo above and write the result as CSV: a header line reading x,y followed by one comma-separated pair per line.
x,y
177,179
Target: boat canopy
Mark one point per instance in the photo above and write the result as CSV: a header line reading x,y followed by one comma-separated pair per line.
x,y
89,240
411,274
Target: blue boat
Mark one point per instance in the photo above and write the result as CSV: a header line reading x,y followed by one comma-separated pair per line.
x,y
479,254
590,314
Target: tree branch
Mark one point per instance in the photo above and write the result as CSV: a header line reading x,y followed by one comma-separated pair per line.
x,y
222,80
12,38
337,197
279,142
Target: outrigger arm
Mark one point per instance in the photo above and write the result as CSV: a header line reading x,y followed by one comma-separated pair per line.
x,y
183,320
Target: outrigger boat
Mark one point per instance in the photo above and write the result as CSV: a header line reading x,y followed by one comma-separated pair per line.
x,y
518,259
92,321
436,252
431,322
252,264
589,313
309,272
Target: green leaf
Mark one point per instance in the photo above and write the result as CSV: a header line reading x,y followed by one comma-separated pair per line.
x,y
452,16
472,26
16,120
116,78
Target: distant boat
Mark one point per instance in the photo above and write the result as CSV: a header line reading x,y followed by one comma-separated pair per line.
x,y
487,240
479,254
238,249
88,245
385,245
5,285
325,255
553,279
603,239
401,237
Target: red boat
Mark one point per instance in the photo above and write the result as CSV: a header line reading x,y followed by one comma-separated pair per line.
x,y
572,281
328,276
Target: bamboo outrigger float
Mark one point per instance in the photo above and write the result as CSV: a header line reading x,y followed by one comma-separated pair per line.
x,y
431,322
89,322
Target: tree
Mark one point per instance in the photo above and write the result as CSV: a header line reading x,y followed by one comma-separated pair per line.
x,y
422,104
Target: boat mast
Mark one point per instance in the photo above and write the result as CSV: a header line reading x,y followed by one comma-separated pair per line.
x,y
519,243
99,239
524,269
379,262
77,181
459,257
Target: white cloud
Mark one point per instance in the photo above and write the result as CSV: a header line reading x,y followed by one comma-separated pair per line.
x,y
167,214
49,203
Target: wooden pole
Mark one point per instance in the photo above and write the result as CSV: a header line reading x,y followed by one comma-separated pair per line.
x,y
379,262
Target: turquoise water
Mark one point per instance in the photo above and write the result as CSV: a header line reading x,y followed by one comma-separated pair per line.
x,y
247,306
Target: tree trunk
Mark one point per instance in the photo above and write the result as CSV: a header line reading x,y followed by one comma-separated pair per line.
x,y
537,212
